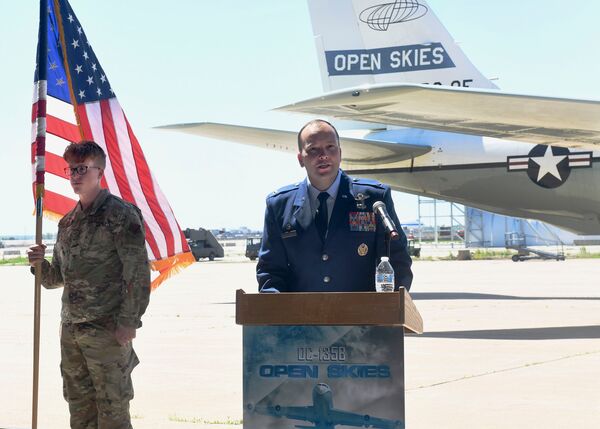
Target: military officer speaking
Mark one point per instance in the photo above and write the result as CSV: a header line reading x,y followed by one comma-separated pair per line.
x,y
101,261
321,235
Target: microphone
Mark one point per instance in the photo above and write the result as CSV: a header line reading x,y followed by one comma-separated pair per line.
x,y
388,223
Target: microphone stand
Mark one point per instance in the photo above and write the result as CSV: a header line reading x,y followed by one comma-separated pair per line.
x,y
388,244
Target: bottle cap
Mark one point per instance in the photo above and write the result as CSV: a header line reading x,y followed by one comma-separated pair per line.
x,y
385,258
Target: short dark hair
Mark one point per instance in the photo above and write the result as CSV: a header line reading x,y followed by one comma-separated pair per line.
x,y
79,152
315,122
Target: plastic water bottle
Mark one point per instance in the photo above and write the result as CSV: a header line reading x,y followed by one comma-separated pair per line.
x,y
384,276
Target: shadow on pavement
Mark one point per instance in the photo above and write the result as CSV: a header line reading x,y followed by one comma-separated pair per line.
x,y
549,333
422,296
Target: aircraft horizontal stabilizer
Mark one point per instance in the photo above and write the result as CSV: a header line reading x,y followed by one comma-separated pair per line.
x,y
491,113
355,151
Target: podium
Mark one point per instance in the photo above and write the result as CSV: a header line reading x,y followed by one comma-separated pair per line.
x,y
323,360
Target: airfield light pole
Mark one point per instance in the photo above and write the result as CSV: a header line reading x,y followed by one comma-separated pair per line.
x,y
451,226
420,226
435,225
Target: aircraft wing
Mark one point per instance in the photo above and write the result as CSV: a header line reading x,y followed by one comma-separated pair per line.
x,y
355,150
347,418
491,113
296,413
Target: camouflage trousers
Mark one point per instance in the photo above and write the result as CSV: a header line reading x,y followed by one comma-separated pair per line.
x,y
96,373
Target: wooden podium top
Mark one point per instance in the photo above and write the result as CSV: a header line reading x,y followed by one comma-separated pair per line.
x,y
322,308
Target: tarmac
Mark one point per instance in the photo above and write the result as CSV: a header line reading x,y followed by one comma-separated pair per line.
x,y
505,345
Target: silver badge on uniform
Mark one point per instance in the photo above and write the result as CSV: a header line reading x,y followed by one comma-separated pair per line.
x,y
360,200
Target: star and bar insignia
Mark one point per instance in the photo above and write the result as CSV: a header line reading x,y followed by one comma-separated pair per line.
x,y
549,166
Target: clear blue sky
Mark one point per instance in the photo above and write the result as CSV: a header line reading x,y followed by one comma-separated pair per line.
x,y
191,61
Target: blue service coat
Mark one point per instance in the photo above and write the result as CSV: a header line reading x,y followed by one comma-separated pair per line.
x,y
293,258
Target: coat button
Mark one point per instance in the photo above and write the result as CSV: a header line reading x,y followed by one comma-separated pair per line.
x,y
325,257
326,279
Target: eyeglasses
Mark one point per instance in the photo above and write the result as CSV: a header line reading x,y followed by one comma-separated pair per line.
x,y
80,170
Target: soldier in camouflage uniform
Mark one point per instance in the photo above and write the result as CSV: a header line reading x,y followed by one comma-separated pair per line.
x,y
101,261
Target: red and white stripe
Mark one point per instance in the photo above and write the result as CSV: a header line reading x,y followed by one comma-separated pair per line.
x,y
518,163
60,125
580,159
38,133
127,173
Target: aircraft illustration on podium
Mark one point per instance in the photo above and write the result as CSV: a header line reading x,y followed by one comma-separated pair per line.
x,y
322,414
433,125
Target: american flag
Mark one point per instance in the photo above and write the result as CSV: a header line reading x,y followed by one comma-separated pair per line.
x,y
80,104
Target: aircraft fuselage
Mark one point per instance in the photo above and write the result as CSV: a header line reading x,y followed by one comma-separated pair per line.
x,y
506,177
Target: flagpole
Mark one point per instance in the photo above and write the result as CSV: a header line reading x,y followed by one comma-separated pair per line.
x,y
36,310
39,197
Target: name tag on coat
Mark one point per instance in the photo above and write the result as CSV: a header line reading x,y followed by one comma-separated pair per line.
x,y
362,221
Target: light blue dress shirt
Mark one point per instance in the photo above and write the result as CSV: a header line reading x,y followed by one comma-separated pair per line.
x,y
314,195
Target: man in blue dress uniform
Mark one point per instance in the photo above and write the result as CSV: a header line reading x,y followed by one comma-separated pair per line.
x,y
321,235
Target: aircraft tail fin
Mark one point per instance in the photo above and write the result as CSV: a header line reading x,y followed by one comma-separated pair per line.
x,y
364,42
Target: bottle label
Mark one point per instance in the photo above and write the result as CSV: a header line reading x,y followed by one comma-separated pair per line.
x,y
384,278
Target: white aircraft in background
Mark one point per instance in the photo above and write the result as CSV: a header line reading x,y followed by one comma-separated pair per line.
x,y
322,415
436,126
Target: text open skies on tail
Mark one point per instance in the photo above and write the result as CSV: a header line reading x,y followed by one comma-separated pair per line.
x,y
434,125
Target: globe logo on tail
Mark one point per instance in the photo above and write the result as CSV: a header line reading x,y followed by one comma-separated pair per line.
x,y
381,16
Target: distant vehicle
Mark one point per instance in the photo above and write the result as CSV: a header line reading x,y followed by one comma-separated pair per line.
x,y
444,233
203,244
253,247
518,241
412,249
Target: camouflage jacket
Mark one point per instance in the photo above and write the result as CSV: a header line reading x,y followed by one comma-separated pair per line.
x,y
101,260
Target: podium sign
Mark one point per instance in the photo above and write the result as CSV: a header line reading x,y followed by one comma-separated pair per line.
x,y
309,375
325,369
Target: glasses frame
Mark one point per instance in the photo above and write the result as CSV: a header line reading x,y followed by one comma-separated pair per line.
x,y
80,170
